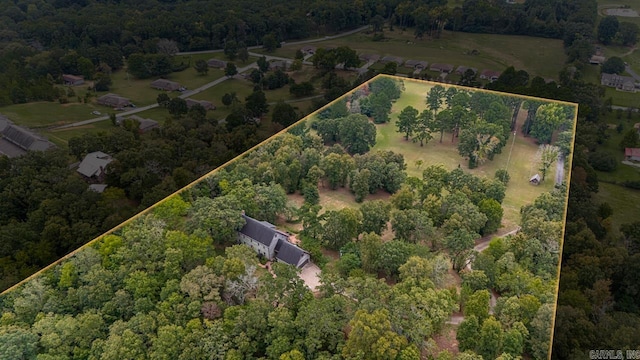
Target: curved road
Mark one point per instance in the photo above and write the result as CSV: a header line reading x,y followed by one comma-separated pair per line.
x,y
215,82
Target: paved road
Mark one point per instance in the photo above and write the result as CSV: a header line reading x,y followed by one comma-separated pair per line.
x,y
560,169
628,69
294,43
184,95
217,81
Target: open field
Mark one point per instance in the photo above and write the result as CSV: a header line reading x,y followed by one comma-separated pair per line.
x,y
519,191
622,172
625,202
537,56
61,137
622,98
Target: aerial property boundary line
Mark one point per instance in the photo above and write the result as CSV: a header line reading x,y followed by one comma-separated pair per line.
x,y
195,182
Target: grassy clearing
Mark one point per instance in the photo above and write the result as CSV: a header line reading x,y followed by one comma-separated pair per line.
x,y
43,113
520,167
624,202
623,172
622,98
538,56
61,137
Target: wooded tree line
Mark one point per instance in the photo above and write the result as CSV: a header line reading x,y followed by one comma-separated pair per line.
x,y
597,304
163,286
50,211
36,35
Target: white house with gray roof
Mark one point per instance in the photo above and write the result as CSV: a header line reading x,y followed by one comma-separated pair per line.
x,y
271,243
94,165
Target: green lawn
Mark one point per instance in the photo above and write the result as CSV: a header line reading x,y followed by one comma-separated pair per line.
x,y
519,192
623,172
625,202
623,98
62,136
538,56
43,113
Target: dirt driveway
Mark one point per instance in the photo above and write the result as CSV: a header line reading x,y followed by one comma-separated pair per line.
x,y
311,275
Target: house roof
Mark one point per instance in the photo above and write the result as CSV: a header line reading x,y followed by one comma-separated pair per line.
x,y
615,79
288,252
415,63
535,177
165,84
462,69
441,67
69,77
113,99
486,73
145,124
206,104
257,230
308,48
635,152
94,163
369,57
216,62
396,59
21,137
99,188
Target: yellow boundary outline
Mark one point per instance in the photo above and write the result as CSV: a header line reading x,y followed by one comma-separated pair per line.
x,y
240,156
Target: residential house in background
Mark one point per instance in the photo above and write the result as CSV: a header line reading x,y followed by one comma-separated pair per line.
x,y
460,70
93,167
395,59
442,68
166,85
490,75
308,50
279,64
72,80
632,154
207,105
217,63
637,127
624,83
369,57
145,125
271,243
114,101
16,141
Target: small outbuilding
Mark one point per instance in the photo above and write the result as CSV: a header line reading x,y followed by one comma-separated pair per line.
x,y
535,179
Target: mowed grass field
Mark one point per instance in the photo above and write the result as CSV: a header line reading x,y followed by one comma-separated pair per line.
x,y
538,56
520,166
625,203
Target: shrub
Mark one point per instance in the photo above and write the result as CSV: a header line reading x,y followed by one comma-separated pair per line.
x,y
502,176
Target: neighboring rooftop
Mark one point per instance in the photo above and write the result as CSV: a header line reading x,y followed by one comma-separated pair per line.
x,y
94,164
16,140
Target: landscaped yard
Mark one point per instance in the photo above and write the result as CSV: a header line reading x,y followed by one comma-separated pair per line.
x,y
538,56
520,167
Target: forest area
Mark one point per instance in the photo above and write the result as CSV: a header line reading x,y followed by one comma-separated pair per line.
x,y
172,282
598,299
